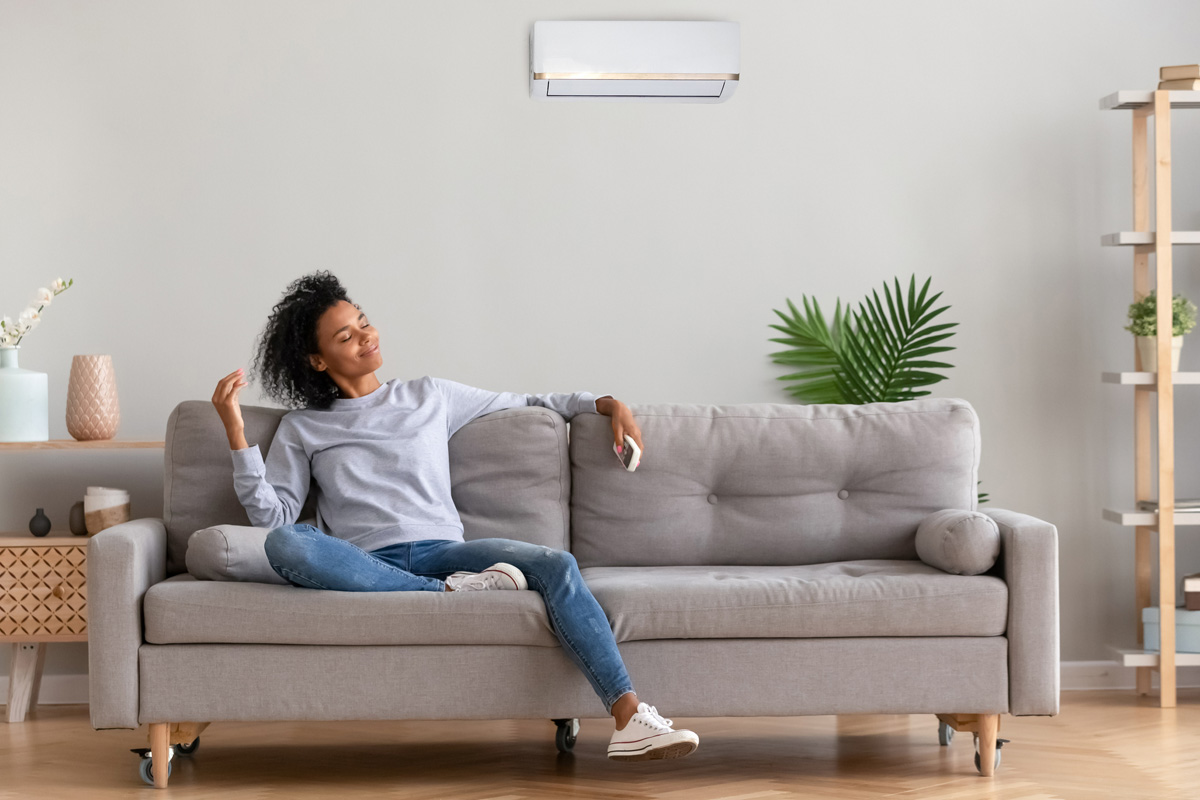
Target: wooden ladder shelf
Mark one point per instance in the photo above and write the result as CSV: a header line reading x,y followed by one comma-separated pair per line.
x,y
1153,388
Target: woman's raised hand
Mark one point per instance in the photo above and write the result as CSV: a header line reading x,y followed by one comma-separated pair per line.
x,y
225,398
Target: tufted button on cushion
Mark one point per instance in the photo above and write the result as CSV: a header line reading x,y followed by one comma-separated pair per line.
x,y
712,498
843,494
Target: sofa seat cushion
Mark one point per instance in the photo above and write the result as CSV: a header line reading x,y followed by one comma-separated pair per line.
x,y
841,599
182,609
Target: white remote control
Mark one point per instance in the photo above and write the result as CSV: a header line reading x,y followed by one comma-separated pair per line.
x,y
632,454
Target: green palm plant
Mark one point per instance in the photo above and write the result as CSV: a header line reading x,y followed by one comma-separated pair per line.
x,y
877,353
871,355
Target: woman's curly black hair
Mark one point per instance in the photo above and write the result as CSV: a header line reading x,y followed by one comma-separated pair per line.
x,y
281,358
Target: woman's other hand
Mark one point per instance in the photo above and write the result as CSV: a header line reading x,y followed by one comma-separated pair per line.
x,y
622,424
225,398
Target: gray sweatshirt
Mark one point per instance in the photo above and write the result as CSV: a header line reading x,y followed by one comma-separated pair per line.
x,y
381,461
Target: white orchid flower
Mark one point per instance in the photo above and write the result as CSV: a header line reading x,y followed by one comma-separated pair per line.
x,y
12,332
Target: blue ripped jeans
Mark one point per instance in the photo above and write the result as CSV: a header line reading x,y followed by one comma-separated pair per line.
x,y
305,556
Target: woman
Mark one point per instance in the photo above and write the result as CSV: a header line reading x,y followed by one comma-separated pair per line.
x,y
380,458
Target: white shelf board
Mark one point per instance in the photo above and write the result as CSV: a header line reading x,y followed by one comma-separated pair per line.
x,y
1136,98
1147,237
1148,378
1149,658
1130,516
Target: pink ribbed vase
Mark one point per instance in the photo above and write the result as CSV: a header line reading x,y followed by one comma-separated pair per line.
x,y
92,408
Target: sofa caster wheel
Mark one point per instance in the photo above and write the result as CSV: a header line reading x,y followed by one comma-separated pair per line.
x,y
187,749
999,744
979,766
564,737
945,734
146,767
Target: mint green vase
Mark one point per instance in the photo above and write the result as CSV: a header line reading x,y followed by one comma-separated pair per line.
x,y
24,401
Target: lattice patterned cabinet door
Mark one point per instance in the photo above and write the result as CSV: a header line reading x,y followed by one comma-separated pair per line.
x,y
43,593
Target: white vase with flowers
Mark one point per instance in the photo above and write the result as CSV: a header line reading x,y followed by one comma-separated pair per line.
x,y
24,393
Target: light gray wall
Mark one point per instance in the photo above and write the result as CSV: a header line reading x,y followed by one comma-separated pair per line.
x,y
185,161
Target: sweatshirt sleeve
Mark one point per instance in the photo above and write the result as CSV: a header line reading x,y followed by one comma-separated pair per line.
x,y
273,492
464,403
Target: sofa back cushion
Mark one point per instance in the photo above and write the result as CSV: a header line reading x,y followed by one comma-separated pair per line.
x,y
509,474
770,483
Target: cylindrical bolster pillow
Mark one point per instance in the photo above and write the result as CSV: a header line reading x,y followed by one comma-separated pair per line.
x,y
961,542
230,553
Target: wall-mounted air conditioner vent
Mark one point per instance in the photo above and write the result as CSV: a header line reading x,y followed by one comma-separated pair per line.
x,y
683,62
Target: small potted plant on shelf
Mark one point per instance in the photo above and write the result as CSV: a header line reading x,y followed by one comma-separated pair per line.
x,y
1143,325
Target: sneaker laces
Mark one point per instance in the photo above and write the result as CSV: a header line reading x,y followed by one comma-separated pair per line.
x,y
475,580
652,712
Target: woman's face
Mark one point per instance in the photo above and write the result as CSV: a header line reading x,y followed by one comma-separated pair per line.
x,y
347,342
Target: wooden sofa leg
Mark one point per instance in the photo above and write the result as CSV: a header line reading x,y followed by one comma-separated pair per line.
x,y
158,751
985,727
988,725
182,732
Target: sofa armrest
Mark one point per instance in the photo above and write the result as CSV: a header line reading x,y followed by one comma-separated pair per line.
x,y
122,563
1029,561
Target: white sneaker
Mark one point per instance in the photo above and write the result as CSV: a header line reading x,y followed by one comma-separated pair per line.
x,y
648,735
497,576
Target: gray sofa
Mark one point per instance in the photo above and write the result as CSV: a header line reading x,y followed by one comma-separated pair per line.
x,y
760,561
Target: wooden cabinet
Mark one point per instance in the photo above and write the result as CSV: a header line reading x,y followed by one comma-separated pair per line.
x,y
43,598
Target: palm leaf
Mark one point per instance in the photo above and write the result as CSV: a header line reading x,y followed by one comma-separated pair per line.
x,y
908,337
817,345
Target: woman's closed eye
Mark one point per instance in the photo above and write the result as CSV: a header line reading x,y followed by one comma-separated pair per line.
x,y
351,337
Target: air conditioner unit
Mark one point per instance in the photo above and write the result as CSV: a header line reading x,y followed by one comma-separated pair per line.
x,y
648,61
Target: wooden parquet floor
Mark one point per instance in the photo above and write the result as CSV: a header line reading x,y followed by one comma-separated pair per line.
x,y
1102,745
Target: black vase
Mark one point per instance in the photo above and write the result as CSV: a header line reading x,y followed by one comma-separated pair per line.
x,y
39,525
76,520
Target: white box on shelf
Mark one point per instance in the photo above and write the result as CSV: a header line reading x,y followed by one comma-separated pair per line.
x,y
1187,629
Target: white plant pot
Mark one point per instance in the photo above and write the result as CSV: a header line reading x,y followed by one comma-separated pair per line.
x,y
1148,351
